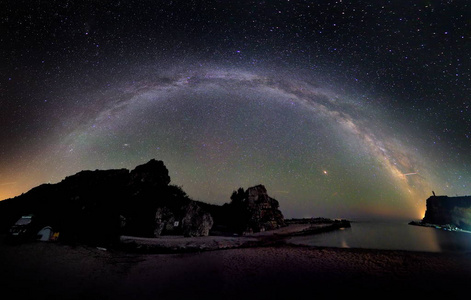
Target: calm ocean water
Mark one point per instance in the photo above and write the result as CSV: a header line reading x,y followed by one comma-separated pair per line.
x,y
390,235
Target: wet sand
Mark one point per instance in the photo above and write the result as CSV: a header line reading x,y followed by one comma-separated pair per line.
x,y
55,271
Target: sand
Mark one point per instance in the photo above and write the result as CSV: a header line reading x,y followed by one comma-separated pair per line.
x,y
188,244
42,270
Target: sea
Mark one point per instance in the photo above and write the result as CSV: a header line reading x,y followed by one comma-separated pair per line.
x,y
392,235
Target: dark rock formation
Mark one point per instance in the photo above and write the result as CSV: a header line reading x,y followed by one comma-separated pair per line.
x,y
248,212
196,222
263,210
153,174
83,207
443,210
147,190
164,221
96,207
188,220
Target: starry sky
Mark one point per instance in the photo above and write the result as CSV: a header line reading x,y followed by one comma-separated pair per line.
x,y
352,109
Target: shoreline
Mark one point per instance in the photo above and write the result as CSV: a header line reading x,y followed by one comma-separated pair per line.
x,y
178,244
268,267
55,270
446,227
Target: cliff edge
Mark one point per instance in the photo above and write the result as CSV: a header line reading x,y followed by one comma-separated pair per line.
x,y
444,210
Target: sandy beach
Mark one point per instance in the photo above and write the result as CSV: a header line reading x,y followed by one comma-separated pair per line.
x,y
56,271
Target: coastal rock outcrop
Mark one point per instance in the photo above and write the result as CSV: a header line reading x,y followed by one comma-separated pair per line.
x,y
444,210
250,211
190,220
164,221
152,174
196,221
263,210
96,207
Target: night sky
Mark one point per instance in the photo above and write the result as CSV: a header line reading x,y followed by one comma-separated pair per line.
x,y
353,109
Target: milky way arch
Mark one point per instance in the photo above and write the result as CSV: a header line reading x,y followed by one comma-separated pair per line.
x,y
317,151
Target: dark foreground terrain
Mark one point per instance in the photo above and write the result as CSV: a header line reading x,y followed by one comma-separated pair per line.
x,y
42,270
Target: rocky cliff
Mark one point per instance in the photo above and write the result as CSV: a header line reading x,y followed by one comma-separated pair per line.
x,y
263,210
442,210
97,206
250,211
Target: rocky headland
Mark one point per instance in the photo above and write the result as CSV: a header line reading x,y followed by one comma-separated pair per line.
x,y
99,207
450,213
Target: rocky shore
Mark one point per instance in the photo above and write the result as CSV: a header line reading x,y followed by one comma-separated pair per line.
x,y
447,213
447,227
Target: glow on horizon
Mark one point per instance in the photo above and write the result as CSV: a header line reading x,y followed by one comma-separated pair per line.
x,y
314,103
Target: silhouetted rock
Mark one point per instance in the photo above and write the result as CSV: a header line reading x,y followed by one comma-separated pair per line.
x,y
96,207
248,212
147,190
150,175
164,221
196,221
444,210
263,210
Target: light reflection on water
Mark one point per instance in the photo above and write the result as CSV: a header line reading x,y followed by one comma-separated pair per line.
x,y
390,235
